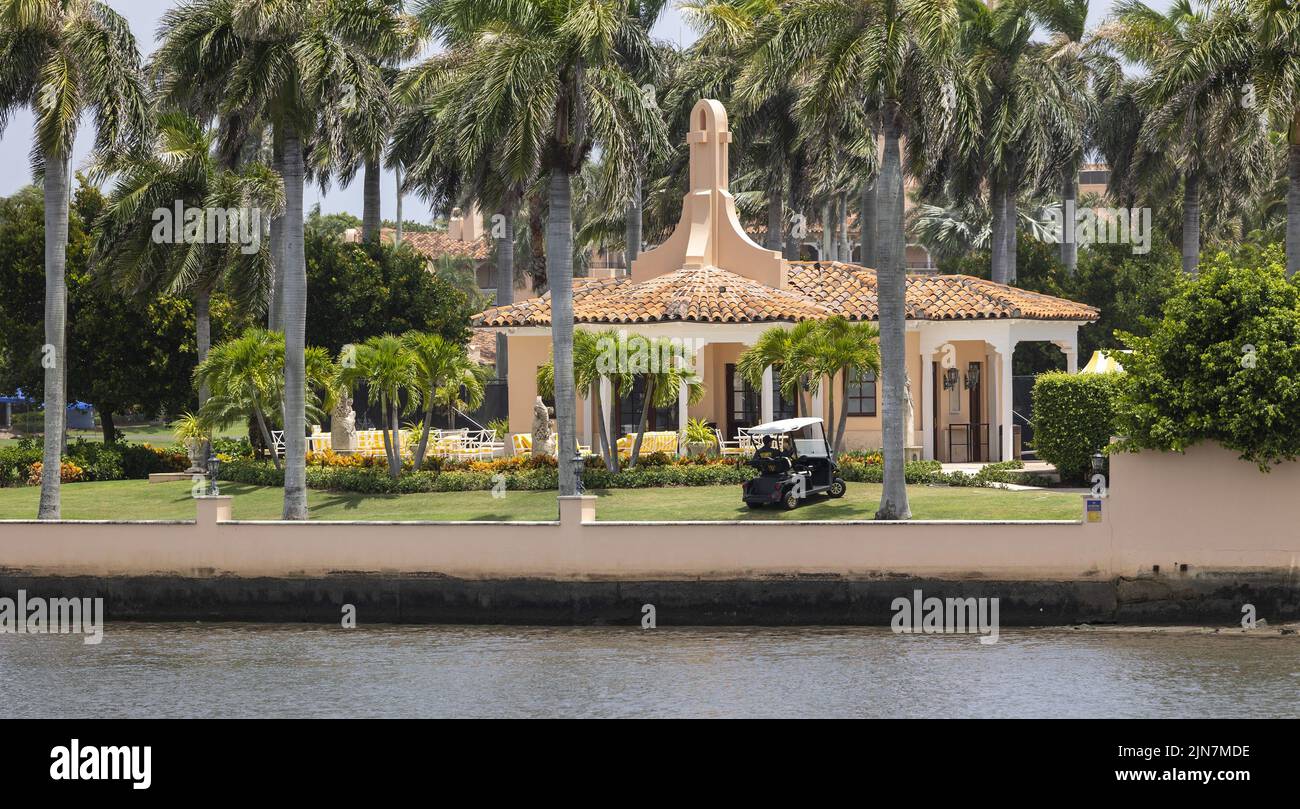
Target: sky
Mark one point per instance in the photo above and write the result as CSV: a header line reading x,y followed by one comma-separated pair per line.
x,y
16,142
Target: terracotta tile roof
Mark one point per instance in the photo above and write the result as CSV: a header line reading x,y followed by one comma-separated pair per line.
x,y
708,295
483,347
712,295
434,244
850,290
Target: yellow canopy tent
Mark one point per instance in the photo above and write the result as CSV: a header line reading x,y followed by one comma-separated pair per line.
x,y
1103,362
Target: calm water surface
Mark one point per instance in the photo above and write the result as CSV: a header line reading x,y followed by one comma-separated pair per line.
x,y
260,670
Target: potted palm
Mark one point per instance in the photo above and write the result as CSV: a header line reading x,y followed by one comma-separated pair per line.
x,y
701,441
194,433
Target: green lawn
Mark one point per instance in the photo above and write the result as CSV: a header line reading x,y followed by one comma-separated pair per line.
x,y
139,500
140,433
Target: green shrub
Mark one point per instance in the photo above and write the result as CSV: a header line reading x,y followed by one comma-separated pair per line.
x,y
1223,365
1074,418
16,464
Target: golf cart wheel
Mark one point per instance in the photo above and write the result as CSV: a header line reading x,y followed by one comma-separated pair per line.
x,y
837,488
790,501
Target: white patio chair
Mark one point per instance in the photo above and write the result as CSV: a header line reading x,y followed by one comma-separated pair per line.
x,y
728,449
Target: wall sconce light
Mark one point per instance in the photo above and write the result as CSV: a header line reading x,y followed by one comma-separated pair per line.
x,y
972,376
950,378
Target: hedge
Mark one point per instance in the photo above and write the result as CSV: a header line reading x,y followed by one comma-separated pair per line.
x,y
97,461
545,478
1074,418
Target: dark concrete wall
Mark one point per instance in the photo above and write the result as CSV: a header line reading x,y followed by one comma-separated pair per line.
x,y
1205,598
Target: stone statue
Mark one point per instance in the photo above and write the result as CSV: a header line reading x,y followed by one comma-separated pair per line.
x,y
543,437
343,425
911,414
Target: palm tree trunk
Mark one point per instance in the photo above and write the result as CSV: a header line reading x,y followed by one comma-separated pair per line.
x,y
395,463
426,428
537,242
559,274
792,247
371,201
867,220
275,305
844,414
997,232
397,232
295,332
1293,207
56,315
632,228
203,331
830,411
1012,222
646,404
892,284
505,285
827,242
1192,221
846,248
602,433
775,219
1069,196
266,434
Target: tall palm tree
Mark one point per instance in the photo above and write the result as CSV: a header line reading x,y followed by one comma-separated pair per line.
x,y
294,63
1195,130
591,368
1277,63
62,58
552,87
180,168
897,55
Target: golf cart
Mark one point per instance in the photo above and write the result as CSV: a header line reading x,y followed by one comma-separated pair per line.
x,y
794,462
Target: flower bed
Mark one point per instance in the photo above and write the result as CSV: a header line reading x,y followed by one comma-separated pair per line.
x,y
90,461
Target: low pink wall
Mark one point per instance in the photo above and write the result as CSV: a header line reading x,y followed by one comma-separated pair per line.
x,y
1206,510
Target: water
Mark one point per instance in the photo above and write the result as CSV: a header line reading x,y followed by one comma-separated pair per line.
x,y
261,670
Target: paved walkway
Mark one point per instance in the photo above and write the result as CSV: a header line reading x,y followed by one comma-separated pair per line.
x,y
1031,468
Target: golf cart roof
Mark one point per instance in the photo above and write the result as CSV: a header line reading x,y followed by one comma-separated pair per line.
x,y
783,426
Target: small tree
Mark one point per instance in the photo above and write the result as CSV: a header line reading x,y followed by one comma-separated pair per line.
x,y
1223,365
1074,418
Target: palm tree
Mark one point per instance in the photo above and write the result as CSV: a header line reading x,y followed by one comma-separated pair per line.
x,y
669,369
243,376
1026,118
896,55
833,350
180,168
391,373
591,367
437,361
61,59
295,64
552,86
1277,61
1195,130
775,348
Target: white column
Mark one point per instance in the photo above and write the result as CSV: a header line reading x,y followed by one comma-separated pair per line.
x,y
993,386
765,396
927,405
588,429
1004,404
819,409
1071,352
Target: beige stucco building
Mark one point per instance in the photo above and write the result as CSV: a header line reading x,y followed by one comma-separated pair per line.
x,y
712,287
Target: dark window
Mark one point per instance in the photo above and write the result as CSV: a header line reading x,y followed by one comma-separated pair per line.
x,y
782,408
627,412
743,403
860,393
1094,177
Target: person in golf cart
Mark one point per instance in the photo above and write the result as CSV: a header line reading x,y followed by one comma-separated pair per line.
x,y
787,477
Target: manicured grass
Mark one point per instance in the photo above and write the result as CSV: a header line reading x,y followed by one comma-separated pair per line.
x,y
139,500
139,433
